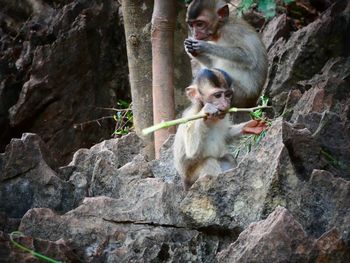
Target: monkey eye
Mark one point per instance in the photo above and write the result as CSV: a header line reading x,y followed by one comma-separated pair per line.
x,y
217,95
228,94
200,24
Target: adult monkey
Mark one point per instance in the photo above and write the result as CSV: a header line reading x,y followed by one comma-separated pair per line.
x,y
229,43
200,146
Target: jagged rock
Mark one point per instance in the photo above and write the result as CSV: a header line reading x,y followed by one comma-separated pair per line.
x,y
58,250
330,247
308,49
280,238
164,166
277,28
324,205
236,198
333,137
27,180
8,225
327,91
284,102
280,171
109,167
99,240
60,57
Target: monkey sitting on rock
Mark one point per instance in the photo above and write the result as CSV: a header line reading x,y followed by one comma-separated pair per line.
x,y
219,40
200,146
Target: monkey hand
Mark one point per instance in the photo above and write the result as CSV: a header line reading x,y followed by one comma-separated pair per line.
x,y
212,113
194,47
254,127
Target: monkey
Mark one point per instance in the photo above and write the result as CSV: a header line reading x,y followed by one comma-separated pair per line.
x,y
229,43
200,146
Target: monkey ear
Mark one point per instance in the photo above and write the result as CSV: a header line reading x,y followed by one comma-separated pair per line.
x,y
192,93
223,12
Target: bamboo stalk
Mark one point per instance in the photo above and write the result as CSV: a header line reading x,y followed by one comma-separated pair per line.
x,y
167,124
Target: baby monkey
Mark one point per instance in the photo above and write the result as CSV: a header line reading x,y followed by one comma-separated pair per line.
x,y
200,146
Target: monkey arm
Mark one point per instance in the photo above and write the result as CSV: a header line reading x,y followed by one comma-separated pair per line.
x,y
249,127
236,130
195,134
204,49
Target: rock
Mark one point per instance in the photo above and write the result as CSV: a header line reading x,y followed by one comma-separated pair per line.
x,y
27,180
333,137
277,28
304,150
60,56
164,166
107,167
237,197
283,103
58,250
324,205
330,247
8,225
284,164
100,240
280,238
327,90
307,50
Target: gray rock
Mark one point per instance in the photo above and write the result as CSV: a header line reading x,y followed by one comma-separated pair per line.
x,y
58,250
327,90
324,205
27,180
277,28
237,198
307,50
333,137
164,166
97,239
280,238
64,50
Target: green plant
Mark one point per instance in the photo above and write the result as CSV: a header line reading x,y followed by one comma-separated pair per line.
x,y
124,118
248,141
17,234
267,7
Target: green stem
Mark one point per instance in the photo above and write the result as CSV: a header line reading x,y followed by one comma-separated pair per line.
x,y
32,252
167,124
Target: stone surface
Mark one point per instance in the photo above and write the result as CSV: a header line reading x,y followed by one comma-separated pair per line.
x,y
237,198
59,250
277,28
277,239
280,238
97,239
308,49
67,61
27,180
111,204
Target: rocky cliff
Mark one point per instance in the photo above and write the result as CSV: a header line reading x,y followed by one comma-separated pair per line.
x,y
287,200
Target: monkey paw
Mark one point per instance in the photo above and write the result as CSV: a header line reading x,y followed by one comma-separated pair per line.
x,y
211,111
194,47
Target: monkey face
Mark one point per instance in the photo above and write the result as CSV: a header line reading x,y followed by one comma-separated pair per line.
x,y
219,97
203,27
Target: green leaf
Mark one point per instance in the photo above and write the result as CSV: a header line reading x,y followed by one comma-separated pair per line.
x,y
288,1
268,7
123,103
245,5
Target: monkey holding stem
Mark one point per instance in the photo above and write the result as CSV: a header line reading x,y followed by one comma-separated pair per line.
x,y
229,43
200,146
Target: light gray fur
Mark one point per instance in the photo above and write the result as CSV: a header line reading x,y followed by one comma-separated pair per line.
x,y
240,52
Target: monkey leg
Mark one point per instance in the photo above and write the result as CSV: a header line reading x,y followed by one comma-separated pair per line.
x,y
209,166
